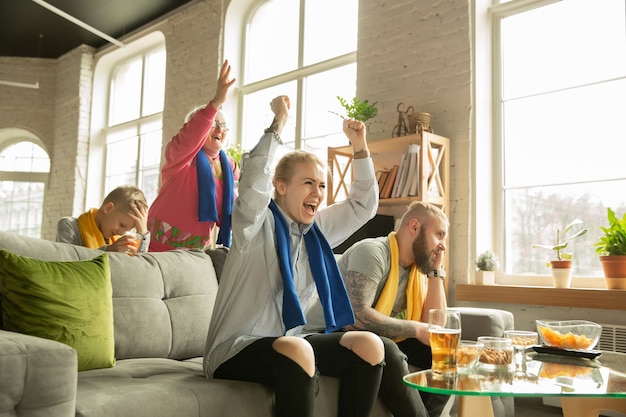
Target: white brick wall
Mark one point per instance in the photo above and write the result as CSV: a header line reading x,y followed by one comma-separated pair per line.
x,y
417,52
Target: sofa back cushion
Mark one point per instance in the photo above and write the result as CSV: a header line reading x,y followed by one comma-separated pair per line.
x,y
162,301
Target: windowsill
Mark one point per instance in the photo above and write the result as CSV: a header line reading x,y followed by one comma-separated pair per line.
x,y
600,298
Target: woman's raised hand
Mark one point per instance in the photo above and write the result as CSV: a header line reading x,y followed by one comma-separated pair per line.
x,y
280,105
355,131
224,82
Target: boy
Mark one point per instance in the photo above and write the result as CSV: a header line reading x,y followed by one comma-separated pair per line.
x,y
124,209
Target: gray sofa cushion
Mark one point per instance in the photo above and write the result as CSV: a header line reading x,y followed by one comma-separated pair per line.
x,y
38,376
162,302
477,321
166,388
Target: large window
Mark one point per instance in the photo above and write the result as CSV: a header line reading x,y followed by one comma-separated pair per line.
x,y
561,95
24,168
133,133
305,49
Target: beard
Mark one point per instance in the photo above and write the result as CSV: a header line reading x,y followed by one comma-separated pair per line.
x,y
423,257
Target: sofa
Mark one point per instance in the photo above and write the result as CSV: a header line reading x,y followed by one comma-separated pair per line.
x,y
161,309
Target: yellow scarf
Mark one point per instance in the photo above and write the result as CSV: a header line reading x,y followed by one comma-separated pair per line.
x,y
89,231
414,288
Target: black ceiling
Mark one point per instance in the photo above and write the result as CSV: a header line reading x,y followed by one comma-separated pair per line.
x,y
28,29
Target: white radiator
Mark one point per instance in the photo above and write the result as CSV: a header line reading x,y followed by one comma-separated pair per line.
x,y
613,338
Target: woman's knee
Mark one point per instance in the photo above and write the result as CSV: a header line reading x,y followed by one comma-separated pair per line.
x,y
367,345
298,350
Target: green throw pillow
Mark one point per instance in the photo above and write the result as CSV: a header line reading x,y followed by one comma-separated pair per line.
x,y
67,301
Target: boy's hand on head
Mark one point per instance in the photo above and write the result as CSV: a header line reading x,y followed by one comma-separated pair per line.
x,y
139,214
224,82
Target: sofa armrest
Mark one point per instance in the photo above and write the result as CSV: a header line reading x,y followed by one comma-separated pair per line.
x,y
38,377
478,321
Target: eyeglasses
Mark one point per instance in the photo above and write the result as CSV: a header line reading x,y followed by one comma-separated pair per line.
x,y
222,126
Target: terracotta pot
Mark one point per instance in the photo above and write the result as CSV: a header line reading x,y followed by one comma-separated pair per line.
x,y
614,266
614,271
561,273
567,263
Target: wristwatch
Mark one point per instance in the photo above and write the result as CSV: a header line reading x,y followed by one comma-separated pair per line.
x,y
441,273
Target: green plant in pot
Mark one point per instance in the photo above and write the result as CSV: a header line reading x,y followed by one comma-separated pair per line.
x,y
611,248
486,263
562,263
357,109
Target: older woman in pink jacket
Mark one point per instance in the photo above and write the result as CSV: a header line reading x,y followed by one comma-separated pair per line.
x,y
197,180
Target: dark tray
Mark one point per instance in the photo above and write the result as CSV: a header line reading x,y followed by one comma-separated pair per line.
x,y
576,353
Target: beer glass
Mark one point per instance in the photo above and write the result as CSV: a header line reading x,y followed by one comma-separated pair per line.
x,y
444,331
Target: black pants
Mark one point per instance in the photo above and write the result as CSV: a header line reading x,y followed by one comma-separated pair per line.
x,y
295,391
419,355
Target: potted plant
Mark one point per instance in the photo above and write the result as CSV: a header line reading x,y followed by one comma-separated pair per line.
x,y
486,263
562,264
357,109
235,151
611,248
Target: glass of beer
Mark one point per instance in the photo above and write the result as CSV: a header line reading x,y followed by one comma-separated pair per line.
x,y
444,330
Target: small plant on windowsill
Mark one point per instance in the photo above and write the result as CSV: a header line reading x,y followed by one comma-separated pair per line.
x,y
562,265
486,263
611,249
357,109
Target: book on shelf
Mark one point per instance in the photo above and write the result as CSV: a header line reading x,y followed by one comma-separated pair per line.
x,y
385,192
399,176
382,177
402,174
412,175
414,190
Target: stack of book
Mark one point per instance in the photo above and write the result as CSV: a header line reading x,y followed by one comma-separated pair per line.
x,y
401,180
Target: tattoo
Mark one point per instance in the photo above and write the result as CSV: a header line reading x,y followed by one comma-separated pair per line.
x,y
362,291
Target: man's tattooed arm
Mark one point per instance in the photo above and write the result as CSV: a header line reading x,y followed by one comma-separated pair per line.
x,y
362,291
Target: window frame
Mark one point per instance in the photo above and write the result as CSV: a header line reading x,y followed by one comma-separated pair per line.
x,y
105,70
494,238
26,176
297,75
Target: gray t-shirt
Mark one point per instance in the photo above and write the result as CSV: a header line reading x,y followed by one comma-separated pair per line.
x,y
370,257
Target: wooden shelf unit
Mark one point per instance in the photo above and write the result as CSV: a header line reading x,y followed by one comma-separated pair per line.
x,y
434,168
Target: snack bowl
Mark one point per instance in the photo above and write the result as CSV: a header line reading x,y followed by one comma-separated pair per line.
x,y
497,351
467,354
569,334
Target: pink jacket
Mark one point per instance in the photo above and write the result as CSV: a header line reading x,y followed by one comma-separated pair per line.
x,y
176,203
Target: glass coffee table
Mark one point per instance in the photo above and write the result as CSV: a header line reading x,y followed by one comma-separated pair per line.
x,y
584,386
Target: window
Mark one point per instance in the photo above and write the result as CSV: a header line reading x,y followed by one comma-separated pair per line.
x,y
301,58
24,168
134,127
561,95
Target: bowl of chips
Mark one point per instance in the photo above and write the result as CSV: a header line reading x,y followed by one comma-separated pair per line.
x,y
569,334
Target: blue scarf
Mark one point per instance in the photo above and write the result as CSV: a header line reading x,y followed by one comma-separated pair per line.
x,y
207,208
330,287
